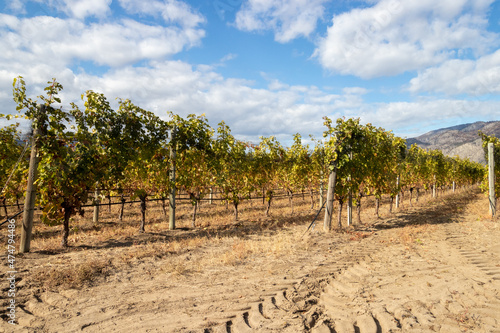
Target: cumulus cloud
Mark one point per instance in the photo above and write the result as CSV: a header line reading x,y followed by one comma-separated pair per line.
x,y
16,6
457,76
51,44
288,19
182,88
409,119
395,36
280,110
59,41
172,11
250,111
81,9
136,64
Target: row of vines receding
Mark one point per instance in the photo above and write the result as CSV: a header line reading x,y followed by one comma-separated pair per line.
x,y
127,153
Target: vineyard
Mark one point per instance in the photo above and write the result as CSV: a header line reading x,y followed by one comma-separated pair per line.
x,y
126,191
86,155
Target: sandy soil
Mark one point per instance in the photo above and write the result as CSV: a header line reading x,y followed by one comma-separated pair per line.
x,y
434,268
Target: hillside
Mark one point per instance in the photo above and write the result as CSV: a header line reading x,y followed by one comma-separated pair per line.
x,y
461,140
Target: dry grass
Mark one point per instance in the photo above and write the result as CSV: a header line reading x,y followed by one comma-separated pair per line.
x,y
236,254
415,234
244,249
211,219
180,267
481,210
74,276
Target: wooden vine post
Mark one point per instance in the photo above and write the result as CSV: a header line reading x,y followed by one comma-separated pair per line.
x,y
491,178
327,223
96,207
29,201
349,199
321,190
349,195
398,179
171,216
434,190
349,208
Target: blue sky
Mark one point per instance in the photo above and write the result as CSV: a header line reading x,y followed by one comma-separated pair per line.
x,y
265,67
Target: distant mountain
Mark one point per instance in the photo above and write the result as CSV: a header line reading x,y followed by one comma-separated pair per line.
x,y
462,140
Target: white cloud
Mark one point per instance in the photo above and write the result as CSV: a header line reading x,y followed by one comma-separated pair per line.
x,y
81,9
415,118
177,86
43,47
355,91
395,36
277,85
249,111
288,19
228,57
60,42
172,11
456,77
16,6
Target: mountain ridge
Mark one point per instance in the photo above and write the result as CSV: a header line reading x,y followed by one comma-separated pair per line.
x,y
460,140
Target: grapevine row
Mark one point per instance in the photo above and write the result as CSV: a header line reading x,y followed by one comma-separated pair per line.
x,y
130,151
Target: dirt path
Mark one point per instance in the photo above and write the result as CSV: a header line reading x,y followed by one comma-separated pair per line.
x,y
449,282
444,284
429,269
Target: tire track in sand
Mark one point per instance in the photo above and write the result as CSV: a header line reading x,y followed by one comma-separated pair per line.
x,y
442,283
297,308
427,287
